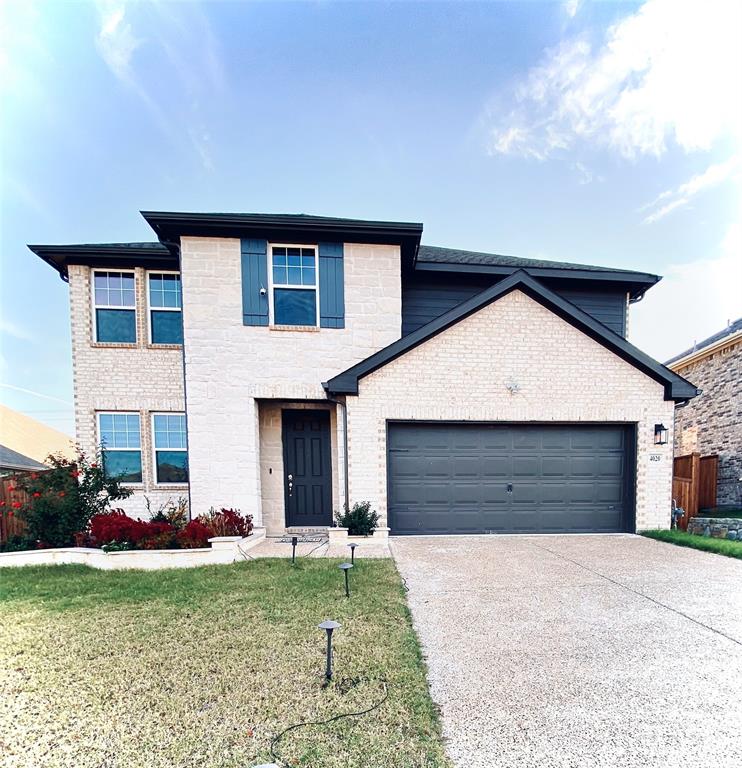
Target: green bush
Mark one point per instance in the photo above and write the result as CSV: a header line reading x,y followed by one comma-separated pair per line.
x,y
360,519
63,500
18,543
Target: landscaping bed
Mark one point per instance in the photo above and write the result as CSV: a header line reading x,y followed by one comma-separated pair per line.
x,y
204,667
706,544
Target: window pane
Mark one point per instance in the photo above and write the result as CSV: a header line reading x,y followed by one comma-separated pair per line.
x,y
116,326
307,277
106,421
114,281
307,261
167,327
172,466
294,276
101,280
292,307
125,465
293,251
279,275
127,298
160,423
294,261
279,252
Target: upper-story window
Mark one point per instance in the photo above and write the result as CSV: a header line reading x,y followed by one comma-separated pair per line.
x,y
114,301
165,308
294,285
122,447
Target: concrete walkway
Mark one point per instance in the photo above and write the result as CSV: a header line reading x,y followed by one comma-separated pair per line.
x,y
579,650
319,546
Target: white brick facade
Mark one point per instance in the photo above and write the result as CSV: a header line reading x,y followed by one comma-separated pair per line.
x,y
123,377
462,373
228,365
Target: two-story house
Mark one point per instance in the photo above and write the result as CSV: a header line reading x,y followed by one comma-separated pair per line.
x,y
290,364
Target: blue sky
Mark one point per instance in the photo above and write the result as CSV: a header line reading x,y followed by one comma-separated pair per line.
x,y
605,133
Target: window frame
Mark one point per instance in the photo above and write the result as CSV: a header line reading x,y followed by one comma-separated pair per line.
x,y
94,307
155,480
98,414
150,308
272,285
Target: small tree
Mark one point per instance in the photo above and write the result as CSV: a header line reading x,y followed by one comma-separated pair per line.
x,y
360,519
62,500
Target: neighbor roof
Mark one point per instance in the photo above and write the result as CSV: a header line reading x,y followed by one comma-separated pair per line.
x,y
730,330
676,387
10,459
148,255
432,258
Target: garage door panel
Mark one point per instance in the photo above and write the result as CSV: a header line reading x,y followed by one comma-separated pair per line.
x,y
454,478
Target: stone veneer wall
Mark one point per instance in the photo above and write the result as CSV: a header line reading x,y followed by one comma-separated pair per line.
x,y
123,377
712,422
461,374
716,527
229,366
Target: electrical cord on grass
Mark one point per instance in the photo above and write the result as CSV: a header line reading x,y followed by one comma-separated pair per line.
x,y
334,718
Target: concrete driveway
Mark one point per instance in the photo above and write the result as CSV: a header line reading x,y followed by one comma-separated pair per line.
x,y
579,650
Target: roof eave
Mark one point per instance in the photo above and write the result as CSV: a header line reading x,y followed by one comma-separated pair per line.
x,y
675,387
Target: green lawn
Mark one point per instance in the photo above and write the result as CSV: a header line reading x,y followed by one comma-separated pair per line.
x,y
203,667
683,539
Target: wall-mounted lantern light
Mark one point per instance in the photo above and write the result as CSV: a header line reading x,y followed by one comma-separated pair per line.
x,y
661,433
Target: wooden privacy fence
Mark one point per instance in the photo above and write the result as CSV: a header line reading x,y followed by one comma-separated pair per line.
x,y
10,524
694,484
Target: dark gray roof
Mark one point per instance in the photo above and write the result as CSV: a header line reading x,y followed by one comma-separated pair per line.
x,y
728,331
10,459
433,254
676,387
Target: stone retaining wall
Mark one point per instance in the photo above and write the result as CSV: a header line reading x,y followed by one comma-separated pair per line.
x,y
716,527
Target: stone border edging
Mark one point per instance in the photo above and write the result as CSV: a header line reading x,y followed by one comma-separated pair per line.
x,y
223,550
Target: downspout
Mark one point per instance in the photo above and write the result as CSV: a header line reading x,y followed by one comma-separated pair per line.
x,y
346,484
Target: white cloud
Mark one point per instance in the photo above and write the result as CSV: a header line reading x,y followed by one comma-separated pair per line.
x,y
692,302
669,73
683,194
9,328
571,7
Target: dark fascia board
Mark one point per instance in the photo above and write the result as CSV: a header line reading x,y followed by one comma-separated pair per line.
x,y
637,283
114,255
171,226
676,387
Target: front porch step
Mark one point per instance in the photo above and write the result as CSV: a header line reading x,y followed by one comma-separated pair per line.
x,y
295,530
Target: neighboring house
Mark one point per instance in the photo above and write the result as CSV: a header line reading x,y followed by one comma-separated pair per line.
x,y
712,423
288,364
31,438
12,462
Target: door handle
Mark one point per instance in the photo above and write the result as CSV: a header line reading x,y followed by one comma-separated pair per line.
x,y
291,484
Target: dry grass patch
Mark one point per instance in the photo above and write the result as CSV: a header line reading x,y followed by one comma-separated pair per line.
x,y
203,667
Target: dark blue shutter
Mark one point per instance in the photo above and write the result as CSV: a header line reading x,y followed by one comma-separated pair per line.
x,y
254,279
331,286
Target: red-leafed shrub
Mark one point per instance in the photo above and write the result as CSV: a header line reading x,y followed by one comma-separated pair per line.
x,y
118,527
227,522
194,535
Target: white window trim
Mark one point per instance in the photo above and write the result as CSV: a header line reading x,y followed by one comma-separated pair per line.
x,y
154,449
98,414
150,308
94,306
272,285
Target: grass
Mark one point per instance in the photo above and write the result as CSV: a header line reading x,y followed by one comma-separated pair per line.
x,y
683,539
202,667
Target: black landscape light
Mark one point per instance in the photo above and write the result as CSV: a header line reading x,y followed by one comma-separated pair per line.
x,y
294,542
345,567
329,625
661,433
352,546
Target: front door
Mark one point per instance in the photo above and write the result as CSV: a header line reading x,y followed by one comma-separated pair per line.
x,y
307,467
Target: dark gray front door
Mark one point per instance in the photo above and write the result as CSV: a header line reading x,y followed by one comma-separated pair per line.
x,y
307,467
509,478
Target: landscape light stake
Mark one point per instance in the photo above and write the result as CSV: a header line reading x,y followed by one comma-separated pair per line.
x,y
329,626
352,552
294,542
345,567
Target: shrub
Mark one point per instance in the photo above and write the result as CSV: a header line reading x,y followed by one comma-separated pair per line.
x,y
173,512
227,522
194,535
63,500
18,543
360,519
117,527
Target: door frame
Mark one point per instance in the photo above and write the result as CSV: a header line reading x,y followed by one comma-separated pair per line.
x,y
628,521
326,415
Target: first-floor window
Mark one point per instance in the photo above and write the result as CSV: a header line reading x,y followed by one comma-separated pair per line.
x,y
171,453
119,436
